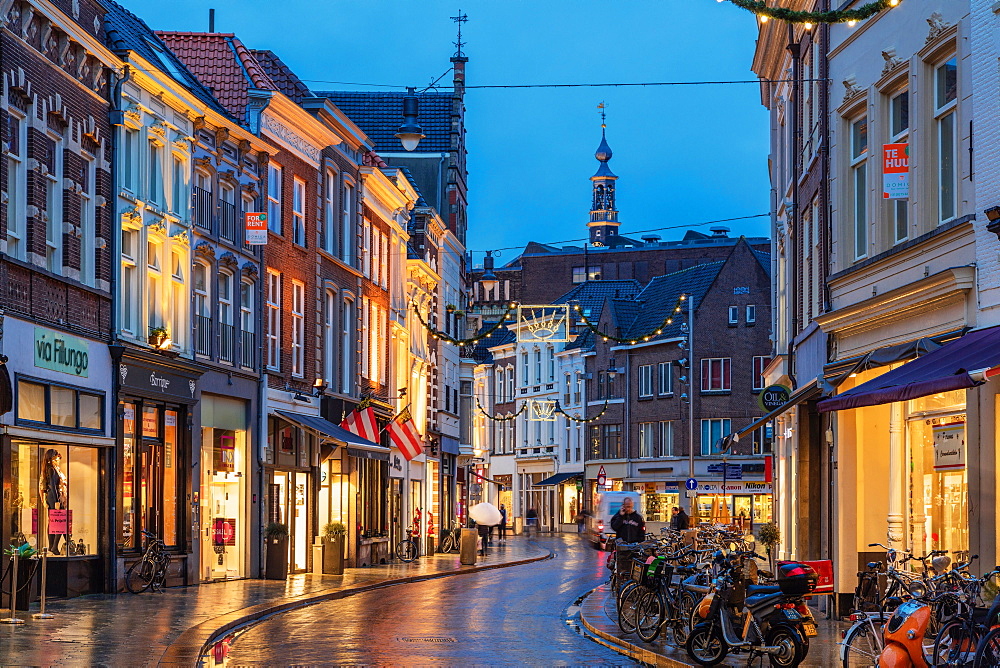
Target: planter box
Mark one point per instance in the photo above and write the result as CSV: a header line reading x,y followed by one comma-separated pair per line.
x,y
276,558
333,556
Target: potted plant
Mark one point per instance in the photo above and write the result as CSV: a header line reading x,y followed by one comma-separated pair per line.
x,y
333,548
157,335
276,555
769,536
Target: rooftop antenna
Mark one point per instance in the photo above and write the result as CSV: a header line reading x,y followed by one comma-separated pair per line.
x,y
460,19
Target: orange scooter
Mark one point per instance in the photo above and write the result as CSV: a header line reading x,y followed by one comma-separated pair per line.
x,y
903,637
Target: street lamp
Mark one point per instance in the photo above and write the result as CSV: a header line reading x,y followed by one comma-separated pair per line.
x,y
488,280
409,133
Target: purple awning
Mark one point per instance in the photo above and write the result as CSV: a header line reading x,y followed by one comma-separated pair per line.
x,y
960,364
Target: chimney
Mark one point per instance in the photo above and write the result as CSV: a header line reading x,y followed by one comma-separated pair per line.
x,y
651,239
211,20
722,231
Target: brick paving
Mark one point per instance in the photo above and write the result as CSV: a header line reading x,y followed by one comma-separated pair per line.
x,y
598,614
171,627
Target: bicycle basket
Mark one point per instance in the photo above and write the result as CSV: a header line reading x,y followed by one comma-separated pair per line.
x,y
639,568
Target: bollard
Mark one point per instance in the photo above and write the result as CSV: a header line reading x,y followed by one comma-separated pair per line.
x,y
13,619
469,546
45,562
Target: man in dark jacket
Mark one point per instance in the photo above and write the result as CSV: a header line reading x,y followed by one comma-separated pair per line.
x,y
681,521
628,525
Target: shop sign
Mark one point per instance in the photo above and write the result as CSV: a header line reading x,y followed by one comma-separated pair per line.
x,y
224,531
773,397
56,351
949,446
60,521
548,324
158,382
735,487
895,171
256,228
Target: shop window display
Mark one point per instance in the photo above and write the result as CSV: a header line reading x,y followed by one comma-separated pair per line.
x,y
223,495
54,504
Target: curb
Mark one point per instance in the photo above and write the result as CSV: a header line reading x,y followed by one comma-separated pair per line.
x,y
188,648
626,648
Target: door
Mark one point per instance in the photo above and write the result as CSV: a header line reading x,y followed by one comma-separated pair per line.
x,y
299,526
743,511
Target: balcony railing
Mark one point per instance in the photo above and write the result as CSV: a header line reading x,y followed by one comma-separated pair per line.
x,y
227,221
227,342
248,350
202,335
202,207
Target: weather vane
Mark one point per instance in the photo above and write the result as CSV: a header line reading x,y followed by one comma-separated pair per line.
x,y
460,19
601,106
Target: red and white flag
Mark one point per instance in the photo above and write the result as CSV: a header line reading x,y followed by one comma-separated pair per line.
x,y
361,422
405,435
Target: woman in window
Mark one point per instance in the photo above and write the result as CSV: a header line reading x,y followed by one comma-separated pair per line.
x,y
52,488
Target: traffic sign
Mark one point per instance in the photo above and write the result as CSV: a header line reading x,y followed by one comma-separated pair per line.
x,y
691,483
602,477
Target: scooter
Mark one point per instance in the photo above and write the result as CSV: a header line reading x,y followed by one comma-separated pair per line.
x,y
903,636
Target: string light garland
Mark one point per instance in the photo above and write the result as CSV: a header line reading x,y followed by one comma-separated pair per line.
x,y
502,418
760,8
437,334
633,339
576,419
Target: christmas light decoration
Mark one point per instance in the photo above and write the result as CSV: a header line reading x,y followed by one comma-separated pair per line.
x,y
633,339
763,12
438,334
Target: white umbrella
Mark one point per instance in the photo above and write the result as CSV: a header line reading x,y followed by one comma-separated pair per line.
x,y
485,513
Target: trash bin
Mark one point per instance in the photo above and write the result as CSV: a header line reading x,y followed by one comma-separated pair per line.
x,y
470,545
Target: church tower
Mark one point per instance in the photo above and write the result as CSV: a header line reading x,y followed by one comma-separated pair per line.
x,y
603,214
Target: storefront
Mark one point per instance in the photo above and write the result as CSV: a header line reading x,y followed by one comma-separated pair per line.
x,y
156,406
745,504
290,497
567,490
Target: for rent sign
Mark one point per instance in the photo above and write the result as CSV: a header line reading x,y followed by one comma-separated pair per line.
x,y
895,171
256,227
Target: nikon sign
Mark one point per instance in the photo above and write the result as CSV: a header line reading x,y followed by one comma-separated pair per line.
x,y
58,352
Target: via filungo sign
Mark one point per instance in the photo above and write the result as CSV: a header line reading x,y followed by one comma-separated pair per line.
x,y
56,351
773,397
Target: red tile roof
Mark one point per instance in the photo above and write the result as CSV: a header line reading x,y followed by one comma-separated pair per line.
x,y
221,63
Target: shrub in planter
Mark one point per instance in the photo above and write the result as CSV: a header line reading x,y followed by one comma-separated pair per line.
x,y
276,553
334,534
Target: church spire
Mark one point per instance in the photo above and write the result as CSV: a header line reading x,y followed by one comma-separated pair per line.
x,y
603,214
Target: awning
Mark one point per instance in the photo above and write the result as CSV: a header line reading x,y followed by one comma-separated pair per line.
x,y
556,479
369,453
957,365
328,431
804,393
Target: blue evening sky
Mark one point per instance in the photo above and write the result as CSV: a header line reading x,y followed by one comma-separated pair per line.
x,y
683,154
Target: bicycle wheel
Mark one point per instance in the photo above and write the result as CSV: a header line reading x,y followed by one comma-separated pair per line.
x,y
988,652
650,615
139,576
955,645
681,617
406,550
448,544
862,646
628,607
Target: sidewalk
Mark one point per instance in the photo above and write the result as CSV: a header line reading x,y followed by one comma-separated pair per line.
x,y
599,616
172,627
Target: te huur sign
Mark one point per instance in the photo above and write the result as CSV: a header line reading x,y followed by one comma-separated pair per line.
x,y
56,351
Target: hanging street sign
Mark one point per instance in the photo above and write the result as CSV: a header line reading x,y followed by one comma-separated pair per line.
x,y
895,171
773,397
543,324
256,228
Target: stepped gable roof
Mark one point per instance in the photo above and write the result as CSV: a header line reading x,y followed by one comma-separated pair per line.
x,y
481,351
281,75
380,114
127,32
592,294
661,294
223,64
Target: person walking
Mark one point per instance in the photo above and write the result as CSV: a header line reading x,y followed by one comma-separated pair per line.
x,y
502,527
680,521
628,524
530,521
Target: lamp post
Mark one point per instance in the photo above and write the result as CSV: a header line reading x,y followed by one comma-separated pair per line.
x,y
690,353
488,280
409,133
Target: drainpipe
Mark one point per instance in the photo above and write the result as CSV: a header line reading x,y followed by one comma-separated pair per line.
x,y
793,320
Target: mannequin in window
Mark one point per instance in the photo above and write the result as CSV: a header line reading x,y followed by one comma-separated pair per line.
x,y
52,491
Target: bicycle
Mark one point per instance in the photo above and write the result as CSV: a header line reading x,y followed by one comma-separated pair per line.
x,y
150,571
666,604
408,549
451,540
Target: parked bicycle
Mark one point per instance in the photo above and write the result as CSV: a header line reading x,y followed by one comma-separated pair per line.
x,y
408,549
451,542
150,571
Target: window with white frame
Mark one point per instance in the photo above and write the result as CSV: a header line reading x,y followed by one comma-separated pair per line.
x,y
298,328
583,274
88,220
130,160
567,388
751,314
179,200
713,430
499,398
180,297
366,247
54,206
130,316
665,376
229,221
17,184
154,172
274,197
716,374
331,185
273,306
365,338
899,129
762,440
510,382
946,125
330,336
647,439
759,364
347,332
299,211
348,239
538,366
734,315
227,307
645,380
154,284
859,184
666,441
551,355
202,308
247,341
